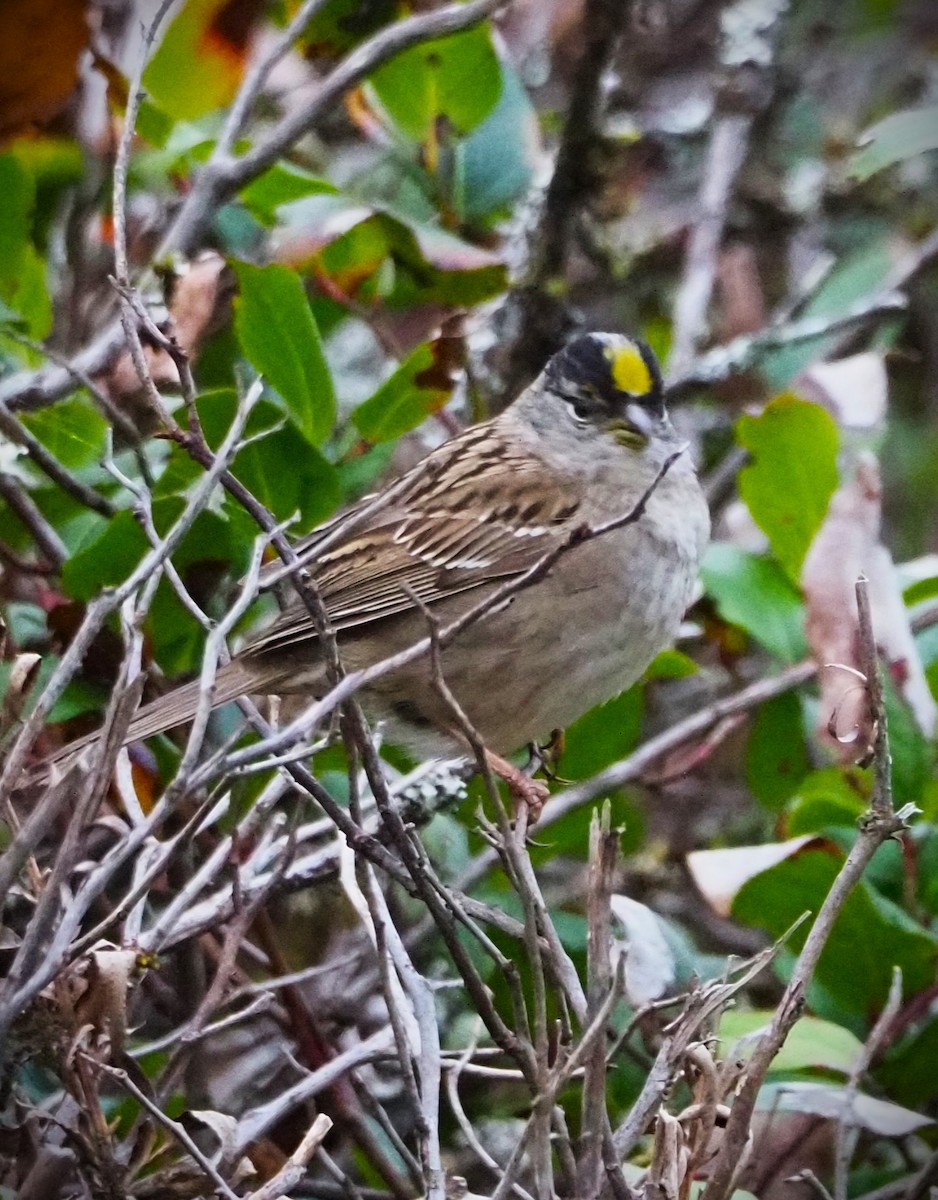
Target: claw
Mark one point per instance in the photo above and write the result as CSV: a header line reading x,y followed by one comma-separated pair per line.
x,y
532,793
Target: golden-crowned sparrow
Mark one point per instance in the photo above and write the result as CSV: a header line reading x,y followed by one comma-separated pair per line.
x,y
578,448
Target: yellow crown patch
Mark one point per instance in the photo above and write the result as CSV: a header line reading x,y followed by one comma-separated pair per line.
x,y
629,371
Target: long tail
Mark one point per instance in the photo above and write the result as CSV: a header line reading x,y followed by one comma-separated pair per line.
x,y
178,706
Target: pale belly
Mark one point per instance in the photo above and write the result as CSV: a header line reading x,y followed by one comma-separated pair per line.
x,y
581,646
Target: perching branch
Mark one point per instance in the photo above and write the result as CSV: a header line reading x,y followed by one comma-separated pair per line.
x,y
880,823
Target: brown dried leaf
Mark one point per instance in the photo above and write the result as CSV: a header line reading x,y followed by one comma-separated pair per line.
x,y
739,288
199,304
41,42
846,546
98,985
22,678
853,390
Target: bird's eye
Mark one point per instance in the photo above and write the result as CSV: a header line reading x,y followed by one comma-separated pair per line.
x,y
579,408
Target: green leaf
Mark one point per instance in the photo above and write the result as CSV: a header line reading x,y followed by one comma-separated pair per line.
x,y
73,430
460,273
30,297
899,136
858,274
776,756
603,735
310,487
456,78
350,240
279,337
195,68
788,486
755,593
921,589
870,936
812,1044
912,756
18,192
671,664
282,184
829,798
495,163
79,696
908,1072
22,269
341,24
405,400
108,560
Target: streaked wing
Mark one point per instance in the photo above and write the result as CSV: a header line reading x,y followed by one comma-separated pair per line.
x,y
472,512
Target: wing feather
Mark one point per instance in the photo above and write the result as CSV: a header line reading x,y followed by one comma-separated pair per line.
x,y
471,513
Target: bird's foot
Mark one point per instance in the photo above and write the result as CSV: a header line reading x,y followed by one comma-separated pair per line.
x,y
546,757
533,794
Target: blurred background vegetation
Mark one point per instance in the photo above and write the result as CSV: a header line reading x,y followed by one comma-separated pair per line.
x,y
396,248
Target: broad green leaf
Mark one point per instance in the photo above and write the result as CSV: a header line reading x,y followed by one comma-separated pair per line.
x,y
495,164
793,475
908,1072
870,936
73,430
279,336
349,241
79,696
310,488
456,79
22,270
460,274
755,593
857,275
721,872
18,192
603,735
411,394
30,296
196,67
776,756
922,589
671,664
54,161
897,137
829,798
282,184
811,1045
912,756
341,24
108,560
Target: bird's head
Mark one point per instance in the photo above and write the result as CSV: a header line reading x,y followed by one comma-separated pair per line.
x,y
612,383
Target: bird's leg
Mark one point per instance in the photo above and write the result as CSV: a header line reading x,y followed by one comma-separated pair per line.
x,y
532,793
548,756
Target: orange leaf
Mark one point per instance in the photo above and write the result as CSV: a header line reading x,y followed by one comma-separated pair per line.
x,y
40,44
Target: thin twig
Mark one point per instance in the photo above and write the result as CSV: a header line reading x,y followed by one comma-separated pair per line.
x,y
604,852
122,158
542,316
847,1131
725,156
879,824
294,1169
45,537
50,465
173,1127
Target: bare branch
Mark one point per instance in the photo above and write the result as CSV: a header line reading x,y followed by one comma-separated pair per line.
x,y
879,824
